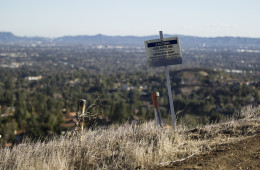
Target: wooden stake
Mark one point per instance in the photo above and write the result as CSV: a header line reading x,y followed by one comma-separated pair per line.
x,y
157,113
80,116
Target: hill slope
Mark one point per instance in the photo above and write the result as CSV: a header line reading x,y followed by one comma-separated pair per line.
x,y
137,146
244,154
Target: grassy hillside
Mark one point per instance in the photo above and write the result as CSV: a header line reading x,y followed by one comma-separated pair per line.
x,y
129,146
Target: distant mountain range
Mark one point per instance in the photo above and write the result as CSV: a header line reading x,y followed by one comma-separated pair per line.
x,y
186,41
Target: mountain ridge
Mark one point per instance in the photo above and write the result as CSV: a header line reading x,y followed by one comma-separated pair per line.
x,y
100,39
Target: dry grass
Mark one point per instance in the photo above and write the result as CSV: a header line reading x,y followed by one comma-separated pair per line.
x,y
128,146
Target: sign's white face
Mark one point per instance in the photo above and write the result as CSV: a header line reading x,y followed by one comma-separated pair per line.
x,y
163,52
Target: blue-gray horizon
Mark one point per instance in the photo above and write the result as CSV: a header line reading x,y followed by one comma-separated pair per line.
x,y
101,34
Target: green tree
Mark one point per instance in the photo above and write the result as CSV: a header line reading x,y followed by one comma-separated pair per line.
x,y
119,113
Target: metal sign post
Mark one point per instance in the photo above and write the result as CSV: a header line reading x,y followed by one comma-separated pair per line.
x,y
170,97
169,90
164,52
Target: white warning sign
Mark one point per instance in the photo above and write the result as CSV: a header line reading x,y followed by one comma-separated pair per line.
x,y
163,52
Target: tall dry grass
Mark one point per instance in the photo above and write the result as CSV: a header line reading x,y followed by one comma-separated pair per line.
x,y
128,146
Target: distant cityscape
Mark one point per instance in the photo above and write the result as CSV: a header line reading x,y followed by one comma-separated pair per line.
x,y
218,77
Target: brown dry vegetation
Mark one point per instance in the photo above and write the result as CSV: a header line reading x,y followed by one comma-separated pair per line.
x,y
130,146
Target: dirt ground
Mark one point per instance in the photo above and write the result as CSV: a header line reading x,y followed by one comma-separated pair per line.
x,y
244,154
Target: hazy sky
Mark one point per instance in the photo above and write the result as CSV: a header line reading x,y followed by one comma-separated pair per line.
x,y
53,18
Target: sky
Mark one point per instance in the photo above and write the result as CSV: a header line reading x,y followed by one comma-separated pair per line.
x,y
206,18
